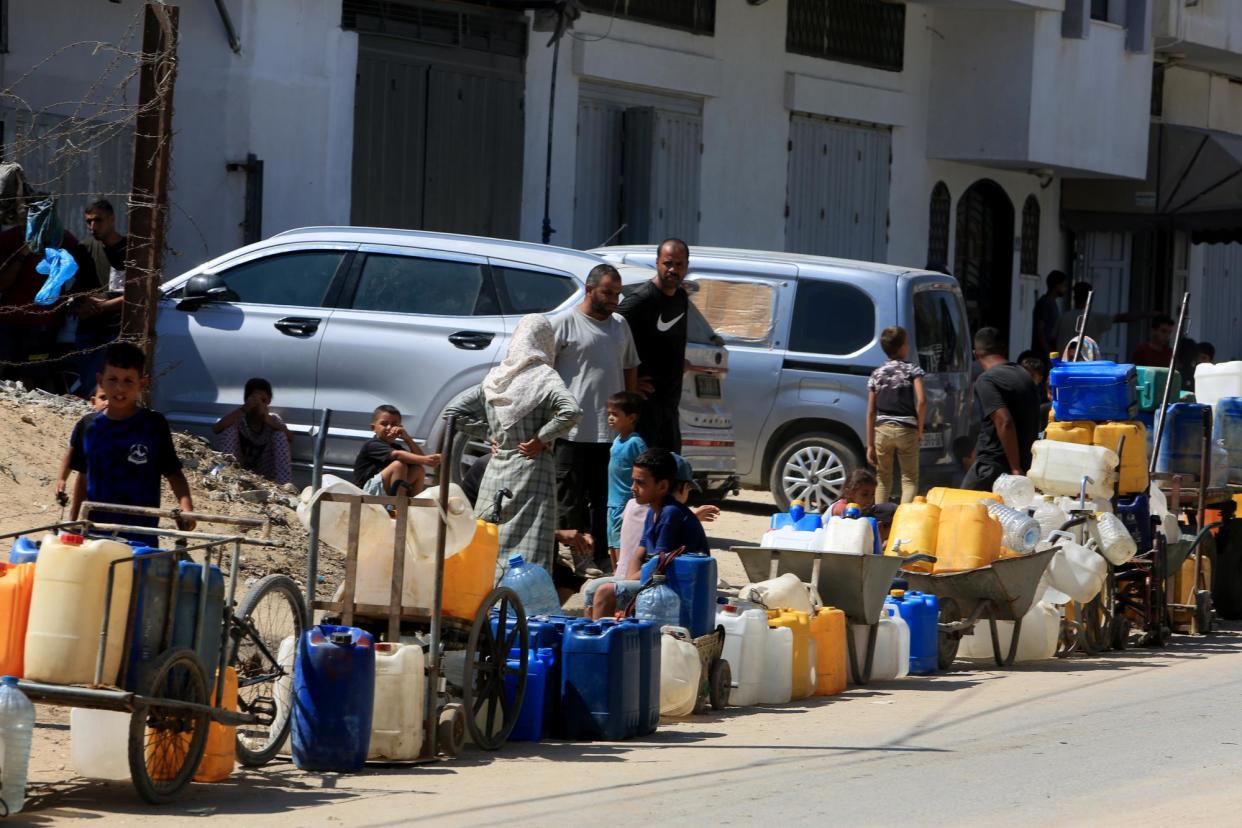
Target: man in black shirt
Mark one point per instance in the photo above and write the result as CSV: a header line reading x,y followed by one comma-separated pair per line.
x,y
1046,314
98,303
1007,403
656,312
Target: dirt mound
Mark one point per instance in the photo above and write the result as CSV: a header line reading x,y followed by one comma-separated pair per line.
x,y
34,433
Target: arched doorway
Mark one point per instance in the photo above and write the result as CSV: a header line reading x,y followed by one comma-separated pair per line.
x,y
983,263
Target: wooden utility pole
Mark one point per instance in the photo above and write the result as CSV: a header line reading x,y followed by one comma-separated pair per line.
x,y
148,201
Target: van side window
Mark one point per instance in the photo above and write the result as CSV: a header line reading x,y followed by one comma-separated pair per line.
x,y
940,332
298,279
830,318
531,291
741,313
434,287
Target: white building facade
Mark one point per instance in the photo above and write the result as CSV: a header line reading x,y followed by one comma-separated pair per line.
x,y
942,133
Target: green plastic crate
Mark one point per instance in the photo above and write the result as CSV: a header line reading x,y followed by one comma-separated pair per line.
x,y
1151,387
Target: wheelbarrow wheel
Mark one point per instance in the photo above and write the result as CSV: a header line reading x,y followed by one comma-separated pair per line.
x,y
948,641
451,730
489,711
167,739
720,684
1120,632
1203,612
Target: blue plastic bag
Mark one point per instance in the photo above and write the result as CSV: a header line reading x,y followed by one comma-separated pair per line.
x,y
59,267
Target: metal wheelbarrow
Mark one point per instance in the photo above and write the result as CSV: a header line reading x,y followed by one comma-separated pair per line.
x,y
855,584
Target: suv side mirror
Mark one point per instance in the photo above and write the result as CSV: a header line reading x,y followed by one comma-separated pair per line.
x,y
202,289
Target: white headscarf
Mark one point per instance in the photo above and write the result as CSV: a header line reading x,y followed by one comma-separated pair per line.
x,y
525,376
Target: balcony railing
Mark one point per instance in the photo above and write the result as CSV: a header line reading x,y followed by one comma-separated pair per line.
x,y
864,32
697,16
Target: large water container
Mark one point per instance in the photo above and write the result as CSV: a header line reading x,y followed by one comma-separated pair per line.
x,y
220,756
470,574
968,538
796,518
892,646
1081,432
1215,382
782,592
790,537
680,673
1097,391
1037,641
151,588
658,603
533,585
1116,544
1019,531
1181,444
921,612
1076,570
778,651
189,587
851,534
1133,475
1227,428
831,658
1058,468
530,725
547,632
648,635
943,497
67,610
333,694
693,578
400,692
801,665
376,541
914,529
98,743
1151,382
24,551
599,682
17,718
1135,513
746,633
16,583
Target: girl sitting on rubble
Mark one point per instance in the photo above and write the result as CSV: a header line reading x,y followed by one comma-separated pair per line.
x,y
256,437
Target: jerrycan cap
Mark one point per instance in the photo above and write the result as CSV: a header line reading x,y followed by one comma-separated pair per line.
x,y
897,593
516,560
71,539
592,629
852,510
920,499
658,579
341,638
8,681
730,608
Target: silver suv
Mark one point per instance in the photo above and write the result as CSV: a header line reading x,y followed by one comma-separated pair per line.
x,y
349,318
803,335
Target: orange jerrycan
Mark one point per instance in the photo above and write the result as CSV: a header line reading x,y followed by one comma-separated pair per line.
x,y
969,538
16,582
942,496
221,753
828,632
470,574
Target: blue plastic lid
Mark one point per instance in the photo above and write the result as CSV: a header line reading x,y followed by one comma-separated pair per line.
x,y
516,560
9,681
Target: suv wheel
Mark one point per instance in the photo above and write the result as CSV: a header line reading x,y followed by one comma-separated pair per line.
x,y
464,452
811,468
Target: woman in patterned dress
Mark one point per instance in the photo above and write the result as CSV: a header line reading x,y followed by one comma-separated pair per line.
x,y
522,407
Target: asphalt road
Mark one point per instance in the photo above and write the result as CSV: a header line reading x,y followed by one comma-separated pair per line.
x,y
1141,737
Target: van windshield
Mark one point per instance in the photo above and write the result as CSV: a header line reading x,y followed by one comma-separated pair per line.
x,y
940,332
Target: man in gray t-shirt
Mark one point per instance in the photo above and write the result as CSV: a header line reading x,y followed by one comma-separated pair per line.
x,y
596,358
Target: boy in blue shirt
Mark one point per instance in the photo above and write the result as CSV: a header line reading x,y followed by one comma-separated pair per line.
x,y
661,480
121,452
623,411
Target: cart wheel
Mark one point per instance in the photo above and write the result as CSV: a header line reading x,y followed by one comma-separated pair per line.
x,y
948,641
267,627
451,729
490,714
1203,612
166,740
719,684
1120,632
1095,625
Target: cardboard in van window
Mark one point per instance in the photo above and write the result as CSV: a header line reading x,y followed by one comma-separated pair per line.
x,y
737,311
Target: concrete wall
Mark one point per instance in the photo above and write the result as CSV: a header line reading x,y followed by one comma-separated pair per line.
x,y
288,98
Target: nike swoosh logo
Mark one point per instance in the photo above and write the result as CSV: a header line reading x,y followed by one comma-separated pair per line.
x,y
663,326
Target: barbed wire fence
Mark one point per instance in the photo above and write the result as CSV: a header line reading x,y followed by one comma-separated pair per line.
x,y
109,141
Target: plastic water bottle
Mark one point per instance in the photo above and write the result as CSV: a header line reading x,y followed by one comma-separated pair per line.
x,y
1016,490
17,718
533,585
659,603
1049,516
1020,530
1116,542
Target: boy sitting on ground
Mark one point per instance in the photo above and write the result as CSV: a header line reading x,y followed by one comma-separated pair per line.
x,y
121,452
662,481
391,460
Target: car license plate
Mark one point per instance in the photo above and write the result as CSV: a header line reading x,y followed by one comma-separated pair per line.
x,y
707,386
932,440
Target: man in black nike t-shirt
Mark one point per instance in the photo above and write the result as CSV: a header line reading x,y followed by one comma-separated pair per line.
x,y
656,312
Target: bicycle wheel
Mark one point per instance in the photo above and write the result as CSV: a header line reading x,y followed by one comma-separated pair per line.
x,y
266,629
167,740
